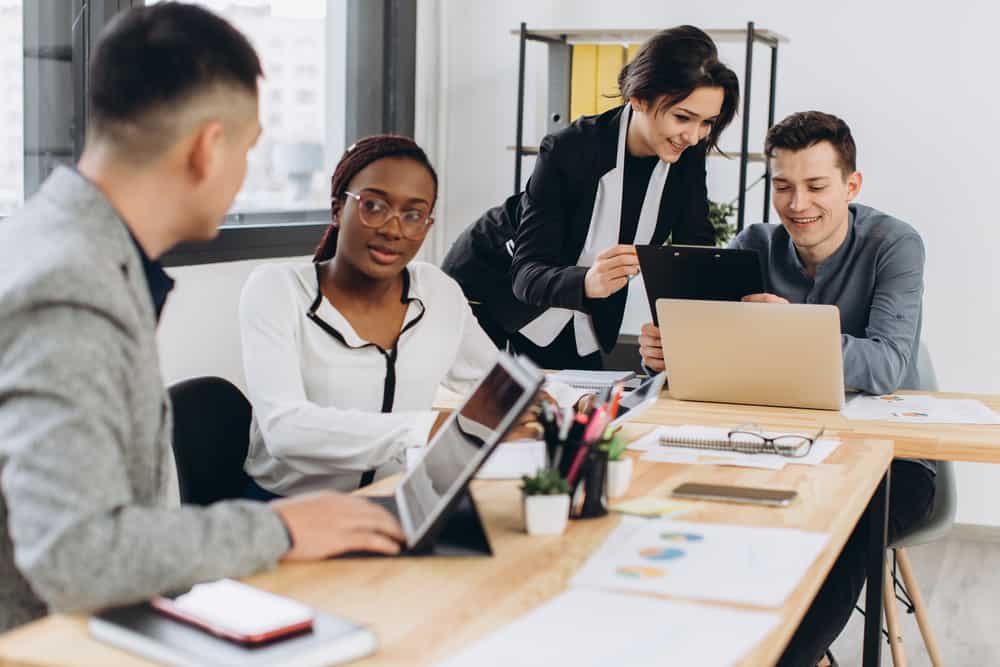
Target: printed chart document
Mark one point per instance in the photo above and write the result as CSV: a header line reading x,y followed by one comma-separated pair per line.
x,y
585,628
653,449
739,564
919,409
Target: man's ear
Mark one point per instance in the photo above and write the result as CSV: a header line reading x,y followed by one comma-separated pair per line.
x,y
205,152
854,185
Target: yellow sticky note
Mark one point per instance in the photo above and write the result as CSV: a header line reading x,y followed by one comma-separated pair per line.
x,y
652,506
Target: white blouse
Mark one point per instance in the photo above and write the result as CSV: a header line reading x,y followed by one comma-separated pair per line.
x,y
328,405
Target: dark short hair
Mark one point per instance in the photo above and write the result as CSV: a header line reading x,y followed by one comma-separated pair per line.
x,y
160,56
672,64
808,128
358,156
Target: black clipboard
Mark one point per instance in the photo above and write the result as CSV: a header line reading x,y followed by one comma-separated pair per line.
x,y
699,272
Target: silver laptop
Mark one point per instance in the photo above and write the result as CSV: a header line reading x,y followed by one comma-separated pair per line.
x,y
786,355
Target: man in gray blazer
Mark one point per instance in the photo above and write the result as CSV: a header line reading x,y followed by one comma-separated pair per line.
x,y
89,515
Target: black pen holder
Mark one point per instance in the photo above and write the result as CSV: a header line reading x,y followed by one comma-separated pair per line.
x,y
565,454
595,502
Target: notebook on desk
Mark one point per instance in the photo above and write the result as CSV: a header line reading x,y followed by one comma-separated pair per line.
x,y
141,630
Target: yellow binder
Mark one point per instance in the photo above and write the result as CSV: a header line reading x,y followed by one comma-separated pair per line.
x,y
610,58
583,81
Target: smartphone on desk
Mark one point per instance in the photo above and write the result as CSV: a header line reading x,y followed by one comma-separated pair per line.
x,y
237,612
735,494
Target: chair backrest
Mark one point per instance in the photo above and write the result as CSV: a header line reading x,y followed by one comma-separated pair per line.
x,y
942,515
211,436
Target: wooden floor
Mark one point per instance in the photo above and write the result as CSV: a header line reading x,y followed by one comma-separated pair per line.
x,y
960,579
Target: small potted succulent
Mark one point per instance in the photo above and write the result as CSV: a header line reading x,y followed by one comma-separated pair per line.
x,y
619,467
546,502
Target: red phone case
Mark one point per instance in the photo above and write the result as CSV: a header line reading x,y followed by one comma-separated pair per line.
x,y
166,606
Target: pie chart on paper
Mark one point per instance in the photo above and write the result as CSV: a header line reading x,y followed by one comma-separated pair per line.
x,y
681,537
640,572
660,553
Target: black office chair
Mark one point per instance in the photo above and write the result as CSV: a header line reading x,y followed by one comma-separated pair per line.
x,y
211,436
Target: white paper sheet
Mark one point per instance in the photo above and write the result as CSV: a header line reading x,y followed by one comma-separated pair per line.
x,y
919,409
654,451
740,564
590,379
595,629
510,460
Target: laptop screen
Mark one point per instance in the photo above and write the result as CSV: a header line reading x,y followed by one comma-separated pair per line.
x,y
461,445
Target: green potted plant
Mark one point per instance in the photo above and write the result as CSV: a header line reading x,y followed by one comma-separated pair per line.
x,y
619,475
546,502
718,217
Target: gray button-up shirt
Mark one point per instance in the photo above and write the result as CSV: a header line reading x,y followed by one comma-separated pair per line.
x,y
875,278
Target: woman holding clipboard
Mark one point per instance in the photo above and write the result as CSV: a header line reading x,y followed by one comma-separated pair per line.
x,y
632,175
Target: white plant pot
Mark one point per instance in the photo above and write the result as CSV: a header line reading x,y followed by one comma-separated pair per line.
x,y
546,515
619,477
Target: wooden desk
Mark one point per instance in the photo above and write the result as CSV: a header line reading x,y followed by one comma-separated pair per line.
x,y
427,609
950,442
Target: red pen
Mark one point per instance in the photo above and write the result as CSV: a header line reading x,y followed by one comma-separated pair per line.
x,y
574,468
619,390
596,426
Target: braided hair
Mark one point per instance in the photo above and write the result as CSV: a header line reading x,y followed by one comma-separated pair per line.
x,y
358,156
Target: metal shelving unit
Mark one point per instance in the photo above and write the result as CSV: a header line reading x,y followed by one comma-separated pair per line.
x,y
559,43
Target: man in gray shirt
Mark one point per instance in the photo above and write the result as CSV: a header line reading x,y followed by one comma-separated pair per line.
x,y
829,250
89,513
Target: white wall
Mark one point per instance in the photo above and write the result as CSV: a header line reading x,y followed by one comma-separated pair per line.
x,y
199,332
916,85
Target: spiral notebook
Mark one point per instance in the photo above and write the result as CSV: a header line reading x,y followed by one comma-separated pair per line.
x,y
704,437
710,445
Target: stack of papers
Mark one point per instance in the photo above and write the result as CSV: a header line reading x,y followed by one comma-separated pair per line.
x,y
653,450
510,460
590,379
738,564
919,409
596,628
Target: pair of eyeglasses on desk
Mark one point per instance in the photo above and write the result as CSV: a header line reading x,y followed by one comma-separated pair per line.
x,y
750,439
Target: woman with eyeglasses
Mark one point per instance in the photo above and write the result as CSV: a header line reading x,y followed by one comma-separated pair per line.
x,y
344,355
550,269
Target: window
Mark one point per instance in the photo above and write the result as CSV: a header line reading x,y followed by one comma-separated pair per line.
x,y
305,96
289,168
306,110
11,105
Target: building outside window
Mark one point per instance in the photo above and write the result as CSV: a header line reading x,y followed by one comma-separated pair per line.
x,y
11,107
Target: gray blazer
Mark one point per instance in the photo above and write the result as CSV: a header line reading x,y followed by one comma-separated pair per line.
x,y
89,515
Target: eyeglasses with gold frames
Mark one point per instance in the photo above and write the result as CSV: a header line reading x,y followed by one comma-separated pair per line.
x,y
375,213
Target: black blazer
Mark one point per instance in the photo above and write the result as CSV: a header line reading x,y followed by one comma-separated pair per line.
x,y
553,218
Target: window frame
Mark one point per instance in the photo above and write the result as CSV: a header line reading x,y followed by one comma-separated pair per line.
x,y
386,106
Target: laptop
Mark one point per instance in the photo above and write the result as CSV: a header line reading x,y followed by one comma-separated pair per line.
x,y
699,272
785,355
433,492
